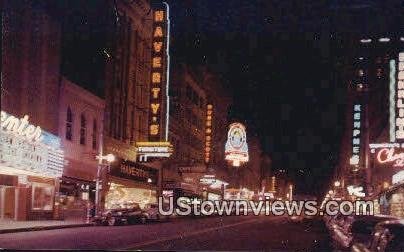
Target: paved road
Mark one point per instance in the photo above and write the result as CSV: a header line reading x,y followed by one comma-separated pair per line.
x,y
209,233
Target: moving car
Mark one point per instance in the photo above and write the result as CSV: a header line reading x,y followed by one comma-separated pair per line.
x,y
387,236
129,215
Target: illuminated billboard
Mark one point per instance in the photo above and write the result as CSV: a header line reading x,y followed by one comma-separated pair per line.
x,y
236,148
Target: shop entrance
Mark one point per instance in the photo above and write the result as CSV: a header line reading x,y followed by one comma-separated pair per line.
x,y
7,202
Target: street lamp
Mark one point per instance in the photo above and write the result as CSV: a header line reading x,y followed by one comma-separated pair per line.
x,y
109,158
337,183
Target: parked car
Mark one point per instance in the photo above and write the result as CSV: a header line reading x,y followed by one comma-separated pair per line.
x,y
129,215
152,212
387,236
357,228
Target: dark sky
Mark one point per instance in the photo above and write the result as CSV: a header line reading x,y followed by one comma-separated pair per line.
x,y
280,59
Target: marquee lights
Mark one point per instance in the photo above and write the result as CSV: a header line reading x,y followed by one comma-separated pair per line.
x,y
160,68
208,132
400,97
356,135
236,149
20,127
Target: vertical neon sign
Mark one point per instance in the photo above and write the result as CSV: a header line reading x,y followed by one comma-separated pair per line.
x,y
159,74
400,97
356,135
392,108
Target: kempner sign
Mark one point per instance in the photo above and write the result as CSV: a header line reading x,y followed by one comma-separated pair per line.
x,y
236,149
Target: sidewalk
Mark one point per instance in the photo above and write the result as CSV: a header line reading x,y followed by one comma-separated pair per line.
x,y
10,226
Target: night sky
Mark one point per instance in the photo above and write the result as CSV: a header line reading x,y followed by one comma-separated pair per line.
x,y
279,59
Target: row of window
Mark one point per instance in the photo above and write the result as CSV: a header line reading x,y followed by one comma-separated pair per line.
x,y
83,129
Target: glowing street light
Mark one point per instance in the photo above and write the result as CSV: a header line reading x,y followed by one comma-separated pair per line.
x,y
110,158
337,183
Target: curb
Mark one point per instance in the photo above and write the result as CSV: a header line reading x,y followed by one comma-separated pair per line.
x,y
40,228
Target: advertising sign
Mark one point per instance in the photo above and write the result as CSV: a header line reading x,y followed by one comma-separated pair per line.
x,y
134,171
236,148
24,146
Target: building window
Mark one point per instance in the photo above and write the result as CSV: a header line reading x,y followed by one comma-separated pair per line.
x,y
82,129
94,144
69,124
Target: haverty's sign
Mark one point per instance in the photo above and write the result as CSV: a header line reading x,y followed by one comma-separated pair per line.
x,y
236,149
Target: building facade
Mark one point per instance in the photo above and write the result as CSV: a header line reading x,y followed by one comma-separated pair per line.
x,y
81,116
373,140
128,106
31,157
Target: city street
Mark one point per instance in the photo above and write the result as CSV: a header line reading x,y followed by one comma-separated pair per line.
x,y
207,233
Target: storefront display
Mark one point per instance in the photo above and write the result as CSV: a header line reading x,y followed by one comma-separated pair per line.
x,y
130,182
31,162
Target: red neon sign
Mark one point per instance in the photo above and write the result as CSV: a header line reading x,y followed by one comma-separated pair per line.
x,y
387,155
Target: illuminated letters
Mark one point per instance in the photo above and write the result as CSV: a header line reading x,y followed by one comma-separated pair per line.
x,y
156,78
356,134
208,132
158,16
387,155
154,129
155,107
399,125
159,61
156,62
158,32
20,127
157,46
155,92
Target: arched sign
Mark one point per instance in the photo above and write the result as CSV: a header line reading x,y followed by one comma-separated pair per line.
x,y
236,149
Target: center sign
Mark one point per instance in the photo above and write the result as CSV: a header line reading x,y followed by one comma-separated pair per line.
x,y
236,149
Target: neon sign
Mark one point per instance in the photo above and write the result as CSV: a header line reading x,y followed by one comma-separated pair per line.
x,y
28,148
236,149
356,134
387,155
392,108
356,191
153,149
20,127
208,132
400,96
159,74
